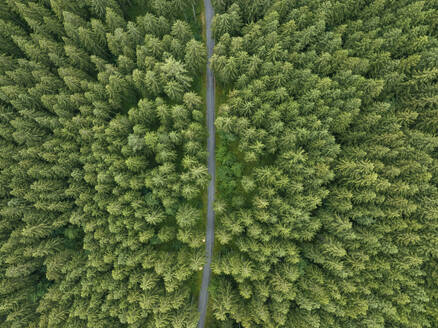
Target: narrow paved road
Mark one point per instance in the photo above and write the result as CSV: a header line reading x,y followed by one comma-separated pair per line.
x,y
211,144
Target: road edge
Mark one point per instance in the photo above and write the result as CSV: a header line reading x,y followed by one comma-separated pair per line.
x,y
211,145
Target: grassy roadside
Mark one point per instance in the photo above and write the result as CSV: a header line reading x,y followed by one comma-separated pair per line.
x,y
202,90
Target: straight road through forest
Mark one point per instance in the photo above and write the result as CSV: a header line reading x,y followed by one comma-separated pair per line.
x,y
211,144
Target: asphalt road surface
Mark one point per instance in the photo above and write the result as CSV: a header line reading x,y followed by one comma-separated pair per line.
x,y
211,144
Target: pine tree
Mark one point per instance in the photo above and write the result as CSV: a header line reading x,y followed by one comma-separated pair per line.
x,y
195,56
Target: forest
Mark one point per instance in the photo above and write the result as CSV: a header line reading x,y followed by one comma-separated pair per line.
x,y
326,151
102,163
327,164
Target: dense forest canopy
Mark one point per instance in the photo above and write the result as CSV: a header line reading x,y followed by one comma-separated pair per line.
x,y
327,155
327,179
103,163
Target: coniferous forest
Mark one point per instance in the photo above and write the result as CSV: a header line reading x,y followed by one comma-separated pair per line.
x,y
326,151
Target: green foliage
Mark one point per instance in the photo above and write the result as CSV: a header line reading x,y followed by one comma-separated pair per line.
x,y
327,163
100,222
327,178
